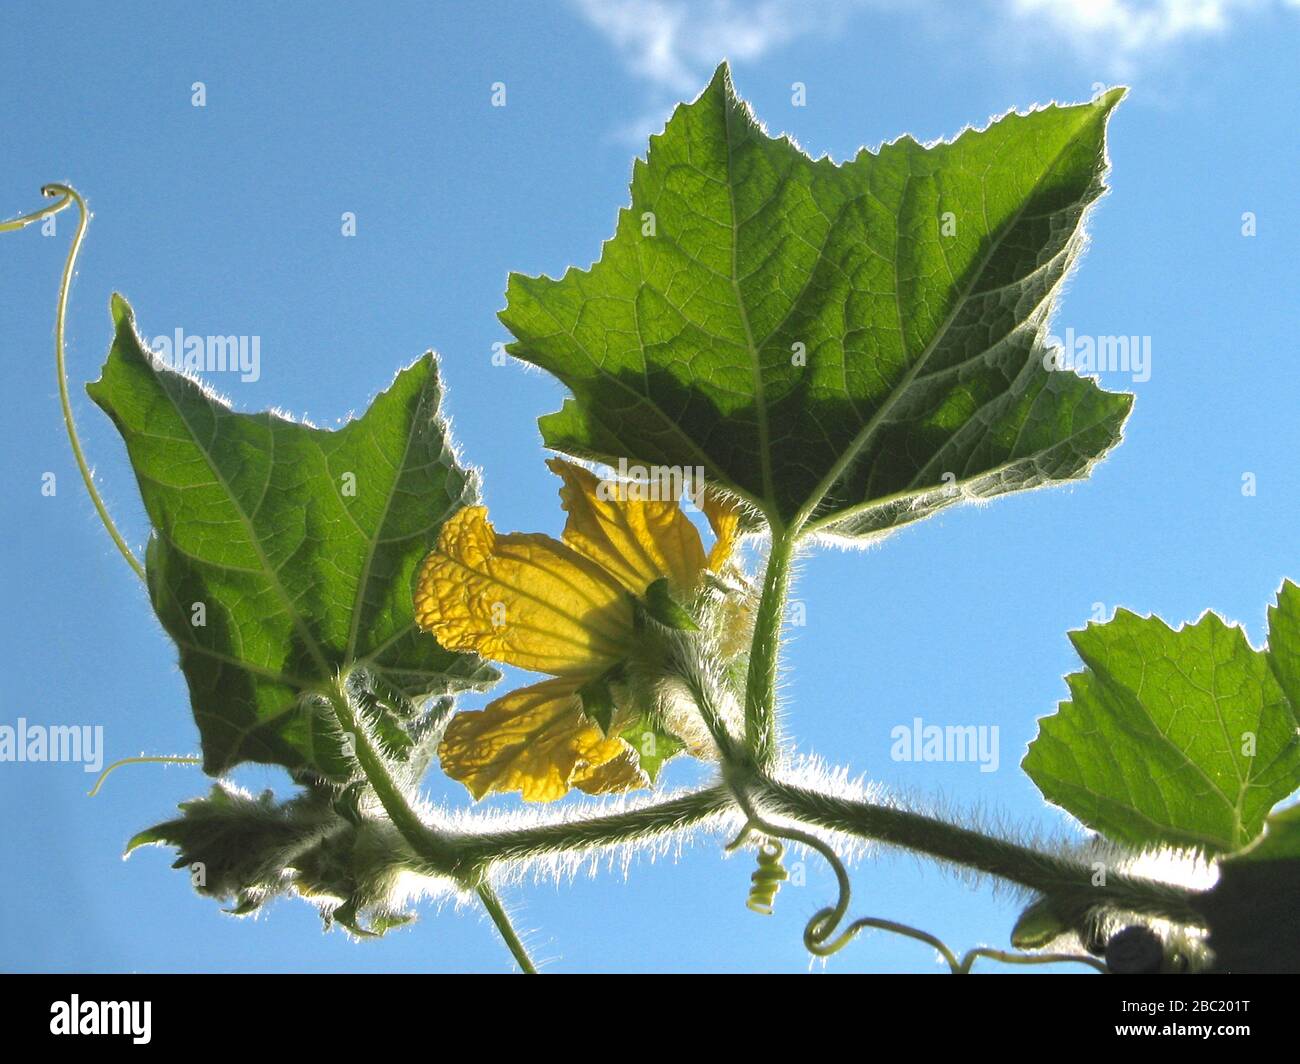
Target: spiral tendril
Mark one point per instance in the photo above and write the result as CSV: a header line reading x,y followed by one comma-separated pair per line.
x,y
767,877
823,936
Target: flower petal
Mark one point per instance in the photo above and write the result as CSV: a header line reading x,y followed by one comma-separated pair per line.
x,y
613,777
525,600
724,518
638,541
536,741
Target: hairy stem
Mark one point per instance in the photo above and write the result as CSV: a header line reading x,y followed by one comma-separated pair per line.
x,y
760,684
428,844
1070,881
589,833
499,917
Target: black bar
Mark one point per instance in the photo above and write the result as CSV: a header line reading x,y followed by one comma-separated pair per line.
x,y
260,1012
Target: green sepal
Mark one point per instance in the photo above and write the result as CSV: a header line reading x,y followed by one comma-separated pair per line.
x,y
652,743
347,803
1039,925
660,604
597,696
347,916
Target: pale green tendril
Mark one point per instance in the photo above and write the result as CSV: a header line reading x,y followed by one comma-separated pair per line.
x,y
69,195
820,936
158,759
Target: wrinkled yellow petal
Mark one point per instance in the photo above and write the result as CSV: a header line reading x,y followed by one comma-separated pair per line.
x,y
613,777
637,541
724,519
535,740
525,600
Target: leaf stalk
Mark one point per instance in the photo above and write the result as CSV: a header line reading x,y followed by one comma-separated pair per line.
x,y
764,654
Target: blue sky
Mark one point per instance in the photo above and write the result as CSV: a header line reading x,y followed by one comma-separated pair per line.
x,y
226,219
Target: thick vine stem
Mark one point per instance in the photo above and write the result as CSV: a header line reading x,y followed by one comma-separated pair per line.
x,y
588,833
760,684
1070,881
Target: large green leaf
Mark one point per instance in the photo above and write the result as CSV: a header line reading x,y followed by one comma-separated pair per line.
x,y
294,546
861,344
1170,737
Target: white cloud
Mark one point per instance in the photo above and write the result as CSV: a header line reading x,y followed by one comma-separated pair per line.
x,y
674,44
1127,31
671,42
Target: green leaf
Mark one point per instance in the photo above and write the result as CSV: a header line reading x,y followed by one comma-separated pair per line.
x,y
295,547
238,846
1170,737
1284,642
247,850
856,344
1279,842
1253,912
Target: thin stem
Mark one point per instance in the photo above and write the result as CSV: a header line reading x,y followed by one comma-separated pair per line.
x,y
968,961
760,685
873,923
1071,881
819,934
499,917
70,194
703,691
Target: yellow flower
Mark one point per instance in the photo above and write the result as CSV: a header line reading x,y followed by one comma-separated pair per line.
x,y
563,607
